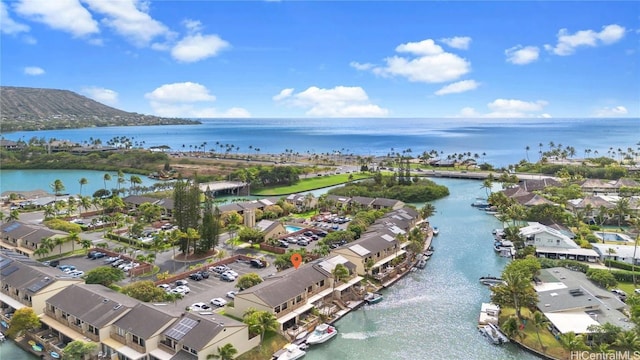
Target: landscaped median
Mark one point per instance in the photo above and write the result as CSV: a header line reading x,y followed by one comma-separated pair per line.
x,y
318,182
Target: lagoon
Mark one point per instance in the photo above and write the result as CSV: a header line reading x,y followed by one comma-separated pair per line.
x,y
27,180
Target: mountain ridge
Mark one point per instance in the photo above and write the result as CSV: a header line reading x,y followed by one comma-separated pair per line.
x,y
25,108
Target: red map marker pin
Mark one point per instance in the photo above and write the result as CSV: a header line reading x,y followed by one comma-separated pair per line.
x,y
296,260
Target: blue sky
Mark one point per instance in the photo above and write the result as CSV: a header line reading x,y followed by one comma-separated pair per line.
x,y
510,59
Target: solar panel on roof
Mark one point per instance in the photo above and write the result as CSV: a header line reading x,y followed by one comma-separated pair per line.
x,y
39,285
182,328
8,271
12,227
4,262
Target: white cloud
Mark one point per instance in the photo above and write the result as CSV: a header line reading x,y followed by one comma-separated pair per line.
x,y
65,15
185,92
188,99
568,43
192,26
615,111
362,67
458,42
430,63
33,70
509,108
197,47
10,26
102,95
520,55
458,87
285,93
130,19
340,101
424,47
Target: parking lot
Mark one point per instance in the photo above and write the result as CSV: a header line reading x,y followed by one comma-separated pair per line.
x,y
213,287
200,291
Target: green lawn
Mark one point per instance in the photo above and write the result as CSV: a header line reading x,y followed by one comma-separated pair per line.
x,y
272,343
552,346
310,184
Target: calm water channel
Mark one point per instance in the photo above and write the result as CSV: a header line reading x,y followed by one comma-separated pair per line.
x,y
430,314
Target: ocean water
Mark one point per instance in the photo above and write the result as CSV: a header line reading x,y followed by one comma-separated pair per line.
x,y
498,141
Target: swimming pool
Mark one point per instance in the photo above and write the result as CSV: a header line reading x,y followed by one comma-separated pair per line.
x,y
611,236
292,229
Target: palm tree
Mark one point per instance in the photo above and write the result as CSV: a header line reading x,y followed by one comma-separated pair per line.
x,y
427,211
83,181
339,273
135,181
261,322
621,209
540,322
227,352
105,178
14,215
511,327
573,342
635,223
74,238
57,187
611,251
628,340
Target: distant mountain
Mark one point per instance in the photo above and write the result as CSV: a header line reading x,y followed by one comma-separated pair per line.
x,y
24,108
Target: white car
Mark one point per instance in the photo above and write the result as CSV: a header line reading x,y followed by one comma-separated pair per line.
x,y
218,302
200,306
165,287
231,273
178,291
184,288
232,294
637,291
76,273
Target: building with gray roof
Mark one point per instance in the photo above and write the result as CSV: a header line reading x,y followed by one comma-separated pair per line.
x,y
572,302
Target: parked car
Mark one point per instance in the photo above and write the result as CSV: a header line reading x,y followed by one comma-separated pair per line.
x,y
200,306
111,259
117,262
66,267
183,288
256,263
219,269
76,273
166,226
637,291
54,263
182,282
205,274
97,255
303,242
196,276
218,302
227,277
282,243
231,294
231,272
179,291
165,287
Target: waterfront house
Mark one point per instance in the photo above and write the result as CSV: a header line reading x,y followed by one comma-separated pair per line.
x,y
27,239
302,202
553,244
382,203
291,294
379,247
126,328
572,303
624,253
133,202
195,337
589,206
11,145
531,185
25,282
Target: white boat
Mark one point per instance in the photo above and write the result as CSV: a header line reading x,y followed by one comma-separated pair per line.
x,y
491,280
436,231
493,334
2,337
373,298
291,352
322,333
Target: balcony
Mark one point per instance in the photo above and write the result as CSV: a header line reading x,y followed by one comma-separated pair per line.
x,y
166,347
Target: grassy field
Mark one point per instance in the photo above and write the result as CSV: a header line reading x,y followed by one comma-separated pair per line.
x,y
552,346
310,184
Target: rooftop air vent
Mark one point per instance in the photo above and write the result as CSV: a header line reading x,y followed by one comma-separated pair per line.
x,y
117,307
